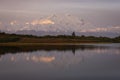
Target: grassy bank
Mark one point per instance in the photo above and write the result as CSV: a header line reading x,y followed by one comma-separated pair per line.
x,y
13,39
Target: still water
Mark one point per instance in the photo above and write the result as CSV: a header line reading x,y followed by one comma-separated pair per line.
x,y
68,62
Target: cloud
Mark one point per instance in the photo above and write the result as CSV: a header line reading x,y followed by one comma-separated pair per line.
x,y
27,23
42,22
0,23
103,29
13,23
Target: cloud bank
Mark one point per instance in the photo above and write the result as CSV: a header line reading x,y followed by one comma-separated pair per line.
x,y
54,23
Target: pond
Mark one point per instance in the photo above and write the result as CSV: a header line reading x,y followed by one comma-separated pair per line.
x,y
61,62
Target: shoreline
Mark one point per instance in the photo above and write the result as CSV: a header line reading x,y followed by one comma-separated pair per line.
x,y
40,44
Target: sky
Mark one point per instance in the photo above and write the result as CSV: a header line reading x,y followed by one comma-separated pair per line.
x,y
86,16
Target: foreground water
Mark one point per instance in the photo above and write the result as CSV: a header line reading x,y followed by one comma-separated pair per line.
x,y
70,62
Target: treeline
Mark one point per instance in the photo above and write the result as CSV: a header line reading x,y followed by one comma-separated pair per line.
x,y
5,37
86,38
8,37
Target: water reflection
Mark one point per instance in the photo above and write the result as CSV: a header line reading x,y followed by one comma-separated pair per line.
x,y
73,48
41,59
50,54
12,58
68,60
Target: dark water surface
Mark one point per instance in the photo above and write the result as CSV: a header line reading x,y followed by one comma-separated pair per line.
x,y
68,62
